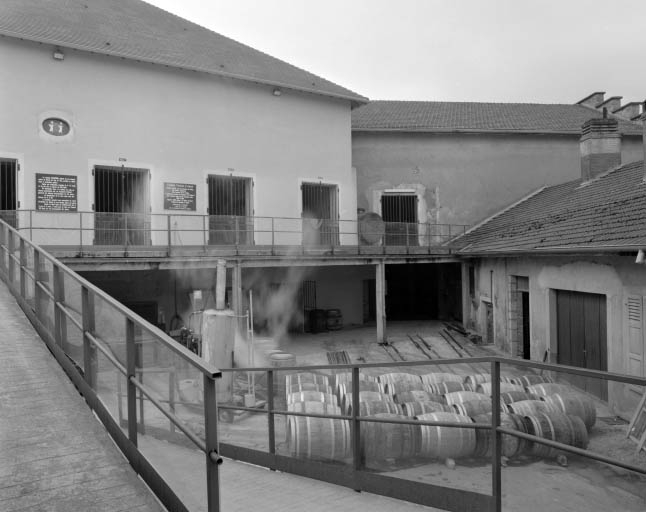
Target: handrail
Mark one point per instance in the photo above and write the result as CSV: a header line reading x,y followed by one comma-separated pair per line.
x,y
58,342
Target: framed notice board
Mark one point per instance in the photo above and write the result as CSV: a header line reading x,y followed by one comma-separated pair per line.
x,y
179,196
56,192
637,427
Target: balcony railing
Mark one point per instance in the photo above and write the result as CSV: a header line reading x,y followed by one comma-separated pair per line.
x,y
173,233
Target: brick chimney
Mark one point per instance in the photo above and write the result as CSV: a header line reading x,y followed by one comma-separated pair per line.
x,y
592,100
600,146
613,103
629,111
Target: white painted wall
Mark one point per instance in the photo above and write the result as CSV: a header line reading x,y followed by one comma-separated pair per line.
x,y
180,125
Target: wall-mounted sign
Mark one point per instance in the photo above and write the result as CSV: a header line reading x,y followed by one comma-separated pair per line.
x,y
179,196
56,192
56,126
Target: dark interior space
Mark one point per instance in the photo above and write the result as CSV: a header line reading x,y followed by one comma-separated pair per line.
x,y
424,291
8,201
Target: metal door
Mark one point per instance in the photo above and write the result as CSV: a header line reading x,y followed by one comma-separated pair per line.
x,y
8,191
230,220
320,214
121,205
582,335
399,212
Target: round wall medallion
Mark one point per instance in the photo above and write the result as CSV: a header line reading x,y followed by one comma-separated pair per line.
x,y
56,126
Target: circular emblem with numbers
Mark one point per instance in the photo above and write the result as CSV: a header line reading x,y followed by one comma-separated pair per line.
x,y
56,126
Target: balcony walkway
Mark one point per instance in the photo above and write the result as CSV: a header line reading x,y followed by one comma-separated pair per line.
x,y
55,455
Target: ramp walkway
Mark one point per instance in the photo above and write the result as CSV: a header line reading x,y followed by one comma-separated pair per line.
x,y
56,456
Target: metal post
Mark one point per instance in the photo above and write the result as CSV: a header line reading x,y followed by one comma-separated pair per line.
x,y
356,424
139,363
204,230
168,231
211,441
31,224
23,266
37,292
171,394
271,425
3,241
496,437
272,234
407,232
380,300
60,319
89,350
237,228
81,231
125,229
12,264
131,368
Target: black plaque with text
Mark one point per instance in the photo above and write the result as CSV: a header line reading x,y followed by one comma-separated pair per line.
x,y
179,196
56,192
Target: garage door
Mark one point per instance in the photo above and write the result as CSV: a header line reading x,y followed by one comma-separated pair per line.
x,y
582,334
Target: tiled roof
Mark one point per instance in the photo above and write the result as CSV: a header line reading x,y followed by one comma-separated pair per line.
x,y
607,211
136,30
442,116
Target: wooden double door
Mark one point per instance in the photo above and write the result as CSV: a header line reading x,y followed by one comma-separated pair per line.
x,y
582,337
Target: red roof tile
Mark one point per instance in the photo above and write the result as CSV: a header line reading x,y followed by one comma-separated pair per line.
x,y
441,116
136,30
607,211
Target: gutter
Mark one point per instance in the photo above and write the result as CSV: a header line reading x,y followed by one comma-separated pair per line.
x,y
548,251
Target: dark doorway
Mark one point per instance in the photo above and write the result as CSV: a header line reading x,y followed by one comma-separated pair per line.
x,y
121,203
524,300
8,191
320,214
399,212
230,210
582,337
424,291
489,321
369,300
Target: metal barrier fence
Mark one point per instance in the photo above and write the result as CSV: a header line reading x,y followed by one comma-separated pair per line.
x,y
173,231
357,477
81,324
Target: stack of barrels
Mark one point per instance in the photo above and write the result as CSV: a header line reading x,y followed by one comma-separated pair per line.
x,y
530,404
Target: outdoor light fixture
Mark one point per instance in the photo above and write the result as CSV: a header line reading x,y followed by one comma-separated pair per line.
x,y
640,256
277,92
58,54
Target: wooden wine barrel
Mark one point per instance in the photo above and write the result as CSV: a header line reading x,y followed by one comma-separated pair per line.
x,y
516,396
295,387
457,397
549,388
530,380
511,446
558,427
531,407
318,438
392,388
439,442
312,396
417,395
473,381
346,378
364,396
395,377
372,407
314,407
381,441
307,377
442,388
473,407
413,409
437,377
345,388
576,405
505,387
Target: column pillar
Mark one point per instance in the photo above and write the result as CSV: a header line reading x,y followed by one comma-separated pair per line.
x,y
236,299
380,290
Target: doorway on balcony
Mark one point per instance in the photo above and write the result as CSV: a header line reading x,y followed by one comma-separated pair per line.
x,y
230,210
8,191
320,214
121,205
399,213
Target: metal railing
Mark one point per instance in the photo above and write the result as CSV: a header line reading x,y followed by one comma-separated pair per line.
x,y
40,282
358,478
86,231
